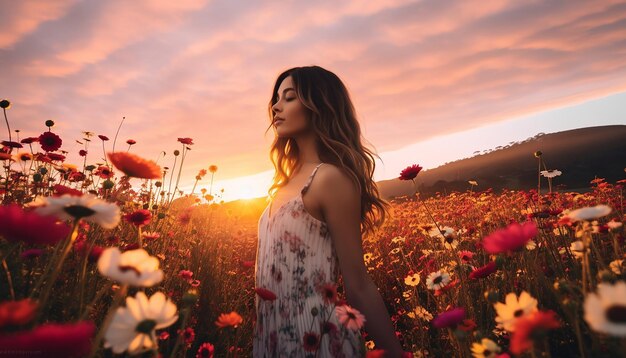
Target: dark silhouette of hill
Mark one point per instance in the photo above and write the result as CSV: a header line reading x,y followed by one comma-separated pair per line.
x,y
581,154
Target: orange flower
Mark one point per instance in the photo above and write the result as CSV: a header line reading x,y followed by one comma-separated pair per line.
x,y
229,319
530,327
135,166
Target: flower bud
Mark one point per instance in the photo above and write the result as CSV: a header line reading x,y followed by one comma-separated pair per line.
x,y
43,171
538,154
37,177
108,184
5,104
49,123
158,184
314,311
177,152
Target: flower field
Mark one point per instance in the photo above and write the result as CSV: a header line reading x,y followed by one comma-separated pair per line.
x,y
108,257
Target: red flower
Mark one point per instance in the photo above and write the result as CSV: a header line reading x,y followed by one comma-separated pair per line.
x,y
410,172
31,253
50,141
52,340
139,218
265,294
55,156
484,271
62,190
534,325
329,292
512,238
185,274
247,264
187,141
467,325
206,350
188,334
131,142
17,313
104,172
103,137
32,228
376,353
29,140
135,166
82,152
6,143
449,318
311,341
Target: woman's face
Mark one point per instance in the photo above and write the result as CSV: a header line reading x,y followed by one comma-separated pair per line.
x,y
290,116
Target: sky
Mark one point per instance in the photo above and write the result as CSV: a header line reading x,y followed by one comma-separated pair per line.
x,y
432,81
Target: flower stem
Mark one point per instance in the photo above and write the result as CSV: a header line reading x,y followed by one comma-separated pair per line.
x,y
10,281
182,327
121,293
8,127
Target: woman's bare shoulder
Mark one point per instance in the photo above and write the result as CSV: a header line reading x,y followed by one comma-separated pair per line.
x,y
336,181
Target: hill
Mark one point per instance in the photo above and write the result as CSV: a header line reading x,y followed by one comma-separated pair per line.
x,y
581,154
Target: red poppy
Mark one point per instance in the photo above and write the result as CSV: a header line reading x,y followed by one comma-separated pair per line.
x,y
103,137
533,325
206,350
62,190
449,318
187,141
52,340
511,238
265,294
131,142
19,225
139,218
311,341
483,271
410,172
135,166
17,313
82,152
50,141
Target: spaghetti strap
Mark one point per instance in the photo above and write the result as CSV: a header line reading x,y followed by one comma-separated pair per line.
x,y
306,186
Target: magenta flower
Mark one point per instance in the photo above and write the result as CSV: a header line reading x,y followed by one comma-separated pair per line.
x,y
52,340
512,238
484,271
449,318
29,227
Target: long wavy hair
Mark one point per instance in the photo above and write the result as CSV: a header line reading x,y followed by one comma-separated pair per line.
x,y
333,119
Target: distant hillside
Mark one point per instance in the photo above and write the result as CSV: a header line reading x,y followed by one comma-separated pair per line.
x,y
581,154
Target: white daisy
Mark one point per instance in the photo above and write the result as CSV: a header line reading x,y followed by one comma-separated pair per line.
x,y
589,213
437,280
87,207
550,173
448,239
133,327
514,308
605,311
133,267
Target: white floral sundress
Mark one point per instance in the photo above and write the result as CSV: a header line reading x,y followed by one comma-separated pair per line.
x,y
295,258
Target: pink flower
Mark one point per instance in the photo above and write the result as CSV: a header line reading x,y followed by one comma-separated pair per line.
x,y
185,274
350,317
19,225
410,172
449,318
187,141
512,238
206,350
139,218
52,340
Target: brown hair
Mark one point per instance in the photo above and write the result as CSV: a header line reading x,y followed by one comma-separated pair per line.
x,y
332,117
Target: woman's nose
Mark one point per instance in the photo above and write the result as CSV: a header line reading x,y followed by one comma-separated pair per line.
x,y
276,107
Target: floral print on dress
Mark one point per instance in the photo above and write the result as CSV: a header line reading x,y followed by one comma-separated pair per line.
x,y
295,259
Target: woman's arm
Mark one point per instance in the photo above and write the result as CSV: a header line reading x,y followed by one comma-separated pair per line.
x,y
341,205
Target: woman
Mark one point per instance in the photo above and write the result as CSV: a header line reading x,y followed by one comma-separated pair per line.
x,y
305,241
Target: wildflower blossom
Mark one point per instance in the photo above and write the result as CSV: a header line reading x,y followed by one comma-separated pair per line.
x,y
50,141
483,271
410,172
421,313
52,340
139,217
530,327
412,280
449,318
437,280
514,308
605,310
86,207
589,213
133,267
29,227
133,327
485,349
350,317
550,173
206,350
511,238
311,341
17,313
229,319
135,166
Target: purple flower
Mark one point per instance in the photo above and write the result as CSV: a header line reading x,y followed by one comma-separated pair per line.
x,y
449,318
